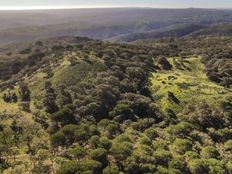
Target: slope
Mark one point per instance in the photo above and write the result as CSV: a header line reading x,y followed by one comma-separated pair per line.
x,y
179,30
99,23
91,110
224,29
186,84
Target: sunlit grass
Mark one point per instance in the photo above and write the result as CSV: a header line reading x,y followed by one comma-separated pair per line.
x,y
190,85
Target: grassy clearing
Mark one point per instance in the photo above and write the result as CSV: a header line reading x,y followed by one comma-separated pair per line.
x,y
65,74
189,84
70,75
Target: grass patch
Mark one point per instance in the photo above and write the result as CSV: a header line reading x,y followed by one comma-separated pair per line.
x,y
188,82
69,75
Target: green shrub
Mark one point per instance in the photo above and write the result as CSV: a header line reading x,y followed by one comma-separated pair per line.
x,y
58,139
228,145
180,146
162,157
100,155
209,152
179,164
111,169
80,167
78,151
181,129
121,150
229,167
215,166
105,143
197,166
94,141
190,155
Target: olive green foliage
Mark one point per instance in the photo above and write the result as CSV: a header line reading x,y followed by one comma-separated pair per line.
x,y
105,108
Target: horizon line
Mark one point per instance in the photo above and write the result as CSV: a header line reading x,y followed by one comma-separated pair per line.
x,y
28,8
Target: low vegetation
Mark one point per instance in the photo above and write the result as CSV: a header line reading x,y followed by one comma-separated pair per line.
x,y
186,83
87,106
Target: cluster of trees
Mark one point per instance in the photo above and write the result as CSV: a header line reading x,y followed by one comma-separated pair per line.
x,y
25,97
214,50
8,97
108,121
91,112
111,124
16,132
179,148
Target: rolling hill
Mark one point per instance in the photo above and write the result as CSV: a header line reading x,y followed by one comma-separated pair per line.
x,y
224,29
101,23
170,31
178,31
77,105
149,91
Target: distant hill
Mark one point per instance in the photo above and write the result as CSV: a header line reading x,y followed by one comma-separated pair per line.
x,y
170,31
102,23
181,30
220,30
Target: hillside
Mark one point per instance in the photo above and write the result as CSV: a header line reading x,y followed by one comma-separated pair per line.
x,y
170,31
214,50
101,23
179,31
187,83
76,105
224,29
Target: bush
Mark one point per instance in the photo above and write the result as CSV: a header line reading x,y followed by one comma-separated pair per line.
x,y
112,130
190,155
181,129
164,63
179,164
111,169
123,111
229,167
228,145
162,170
180,146
215,166
204,117
162,157
78,151
151,133
122,150
64,115
123,138
94,141
100,155
105,143
58,139
209,152
197,166
80,167
69,133
145,141
81,135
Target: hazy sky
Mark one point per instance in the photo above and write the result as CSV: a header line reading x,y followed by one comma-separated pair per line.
x,y
4,4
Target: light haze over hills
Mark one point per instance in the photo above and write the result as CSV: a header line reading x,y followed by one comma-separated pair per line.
x,y
104,23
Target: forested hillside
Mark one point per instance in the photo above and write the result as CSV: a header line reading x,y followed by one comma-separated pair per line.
x,y
131,23
74,105
178,31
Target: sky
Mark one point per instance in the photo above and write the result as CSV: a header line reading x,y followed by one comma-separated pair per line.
x,y
44,4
